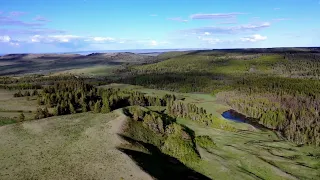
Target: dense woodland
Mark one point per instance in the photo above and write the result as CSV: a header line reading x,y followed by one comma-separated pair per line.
x,y
70,97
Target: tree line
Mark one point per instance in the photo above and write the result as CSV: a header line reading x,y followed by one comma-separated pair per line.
x,y
69,97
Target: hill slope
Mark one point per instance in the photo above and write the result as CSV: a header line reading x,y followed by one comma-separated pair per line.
x,y
81,146
17,64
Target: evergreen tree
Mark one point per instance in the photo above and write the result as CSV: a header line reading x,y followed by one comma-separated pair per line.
x,y
71,108
105,108
56,110
97,107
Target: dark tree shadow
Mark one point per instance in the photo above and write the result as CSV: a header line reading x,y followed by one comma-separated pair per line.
x,y
238,117
159,165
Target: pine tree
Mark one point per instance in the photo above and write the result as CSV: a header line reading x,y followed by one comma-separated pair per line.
x,y
97,107
56,111
105,108
72,109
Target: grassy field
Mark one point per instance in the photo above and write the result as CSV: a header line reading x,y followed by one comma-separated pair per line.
x,y
254,155
11,107
81,146
101,70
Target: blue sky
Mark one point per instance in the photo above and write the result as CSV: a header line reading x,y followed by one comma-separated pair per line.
x,y
36,26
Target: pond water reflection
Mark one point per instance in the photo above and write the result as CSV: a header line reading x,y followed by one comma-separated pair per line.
x,y
234,116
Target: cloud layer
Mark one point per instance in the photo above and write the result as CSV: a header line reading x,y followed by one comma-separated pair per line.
x,y
215,16
254,38
228,30
8,40
179,19
9,21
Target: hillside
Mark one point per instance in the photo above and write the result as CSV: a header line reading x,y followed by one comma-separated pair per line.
x,y
19,64
70,147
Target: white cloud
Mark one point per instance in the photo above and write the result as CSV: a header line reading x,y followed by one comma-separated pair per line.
x,y
5,39
66,40
101,39
210,40
53,38
9,40
63,38
207,33
69,38
254,38
215,16
179,19
229,29
153,43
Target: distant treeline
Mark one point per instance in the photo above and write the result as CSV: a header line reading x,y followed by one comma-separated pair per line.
x,y
38,81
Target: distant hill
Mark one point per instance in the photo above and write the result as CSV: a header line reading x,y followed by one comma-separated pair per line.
x,y
17,64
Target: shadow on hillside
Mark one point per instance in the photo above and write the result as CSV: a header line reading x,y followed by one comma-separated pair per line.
x,y
159,165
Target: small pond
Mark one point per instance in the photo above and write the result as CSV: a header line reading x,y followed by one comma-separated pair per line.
x,y
234,116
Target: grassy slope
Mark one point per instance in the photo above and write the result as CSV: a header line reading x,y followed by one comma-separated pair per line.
x,y
101,70
226,65
254,155
81,146
53,63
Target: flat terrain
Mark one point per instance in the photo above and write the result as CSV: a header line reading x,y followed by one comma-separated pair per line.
x,y
81,146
